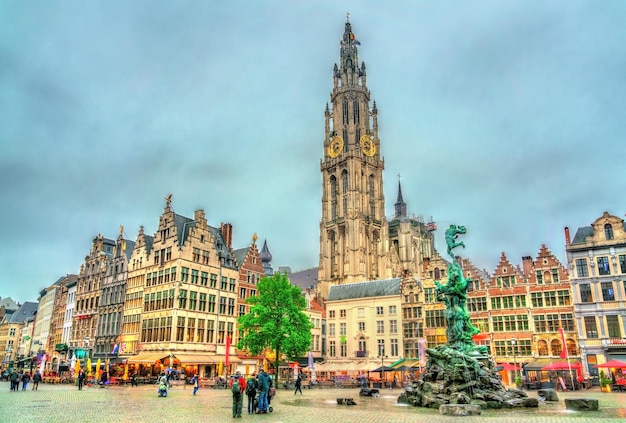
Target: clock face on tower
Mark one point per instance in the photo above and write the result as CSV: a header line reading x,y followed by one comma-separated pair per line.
x,y
335,147
367,145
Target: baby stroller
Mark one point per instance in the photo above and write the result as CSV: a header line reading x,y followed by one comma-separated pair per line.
x,y
270,395
162,389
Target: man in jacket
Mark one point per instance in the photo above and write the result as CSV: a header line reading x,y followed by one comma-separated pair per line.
x,y
36,380
263,387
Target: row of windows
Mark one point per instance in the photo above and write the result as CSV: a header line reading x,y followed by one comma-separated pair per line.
x,y
612,326
413,330
380,327
604,267
552,322
194,277
510,301
607,290
551,298
109,324
380,311
380,351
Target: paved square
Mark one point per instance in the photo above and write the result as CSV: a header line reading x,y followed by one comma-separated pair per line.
x,y
64,403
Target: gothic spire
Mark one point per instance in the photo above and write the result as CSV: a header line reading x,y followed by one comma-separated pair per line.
x,y
349,70
400,204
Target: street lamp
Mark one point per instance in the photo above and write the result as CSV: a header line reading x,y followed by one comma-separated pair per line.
x,y
382,357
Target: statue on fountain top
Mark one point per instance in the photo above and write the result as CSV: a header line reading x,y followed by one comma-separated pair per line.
x,y
454,294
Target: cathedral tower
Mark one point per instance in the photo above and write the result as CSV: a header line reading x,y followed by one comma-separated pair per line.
x,y
353,229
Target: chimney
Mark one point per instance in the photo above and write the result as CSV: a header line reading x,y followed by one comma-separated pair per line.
x,y
227,233
567,238
527,266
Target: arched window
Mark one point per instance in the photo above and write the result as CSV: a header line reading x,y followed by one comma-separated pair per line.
x,y
542,348
372,197
333,197
355,110
608,231
344,107
344,187
556,347
572,349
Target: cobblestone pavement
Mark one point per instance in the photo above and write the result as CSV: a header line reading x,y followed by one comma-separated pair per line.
x,y
65,403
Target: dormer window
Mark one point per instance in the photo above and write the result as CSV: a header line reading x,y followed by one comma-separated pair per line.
x,y
608,232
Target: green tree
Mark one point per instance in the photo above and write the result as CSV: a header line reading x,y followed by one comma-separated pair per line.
x,y
276,320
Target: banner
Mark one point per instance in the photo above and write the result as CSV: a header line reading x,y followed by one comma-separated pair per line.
x,y
564,350
227,360
421,344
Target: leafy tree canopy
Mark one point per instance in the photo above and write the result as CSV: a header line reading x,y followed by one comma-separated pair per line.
x,y
276,320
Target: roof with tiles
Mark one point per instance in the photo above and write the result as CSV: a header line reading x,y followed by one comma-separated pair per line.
x,y
582,234
240,255
304,279
25,312
379,288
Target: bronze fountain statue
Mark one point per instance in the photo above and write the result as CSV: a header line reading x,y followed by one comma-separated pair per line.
x,y
460,372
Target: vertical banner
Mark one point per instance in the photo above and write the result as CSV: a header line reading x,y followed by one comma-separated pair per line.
x,y
421,345
564,350
227,360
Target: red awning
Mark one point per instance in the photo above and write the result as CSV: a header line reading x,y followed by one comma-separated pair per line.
x,y
612,364
507,366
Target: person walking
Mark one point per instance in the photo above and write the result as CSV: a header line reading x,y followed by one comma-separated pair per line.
x,y
237,387
298,385
25,380
263,387
81,379
14,378
36,380
196,385
251,393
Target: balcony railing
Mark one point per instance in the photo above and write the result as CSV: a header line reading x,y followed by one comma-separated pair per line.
x,y
360,354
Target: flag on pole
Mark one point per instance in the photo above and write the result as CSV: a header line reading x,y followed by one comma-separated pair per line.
x,y
227,360
564,350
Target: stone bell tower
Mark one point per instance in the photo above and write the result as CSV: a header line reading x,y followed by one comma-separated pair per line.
x,y
353,228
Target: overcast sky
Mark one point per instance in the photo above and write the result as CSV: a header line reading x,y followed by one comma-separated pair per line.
x,y
507,117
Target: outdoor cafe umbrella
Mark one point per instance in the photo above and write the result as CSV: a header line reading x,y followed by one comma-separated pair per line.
x,y
384,369
89,367
77,367
125,377
73,364
98,369
220,368
564,366
612,364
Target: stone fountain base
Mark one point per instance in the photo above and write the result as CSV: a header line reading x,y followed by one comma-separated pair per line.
x,y
462,376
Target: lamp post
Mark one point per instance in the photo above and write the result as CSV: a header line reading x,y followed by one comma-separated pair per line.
x,y
382,357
